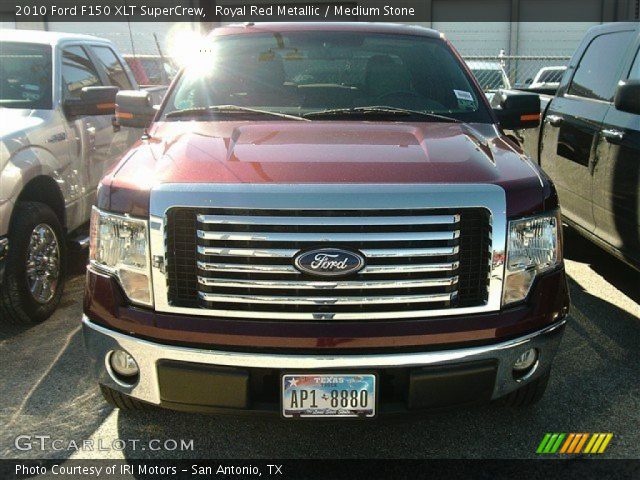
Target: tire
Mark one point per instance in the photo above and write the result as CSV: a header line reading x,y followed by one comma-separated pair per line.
x,y
529,394
18,305
122,401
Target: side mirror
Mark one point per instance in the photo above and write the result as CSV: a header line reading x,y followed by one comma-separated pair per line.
x,y
627,97
92,101
528,81
134,108
516,110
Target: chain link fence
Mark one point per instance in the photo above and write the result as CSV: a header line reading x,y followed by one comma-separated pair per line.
x,y
517,71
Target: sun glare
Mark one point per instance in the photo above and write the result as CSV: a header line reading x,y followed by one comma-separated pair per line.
x,y
190,48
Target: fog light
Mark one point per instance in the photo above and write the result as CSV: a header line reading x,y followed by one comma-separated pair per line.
x,y
526,360
123,364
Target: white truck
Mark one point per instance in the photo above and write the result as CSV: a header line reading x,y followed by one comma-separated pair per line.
x,y
58,137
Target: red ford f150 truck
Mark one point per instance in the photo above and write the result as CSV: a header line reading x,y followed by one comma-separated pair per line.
x,y
325,220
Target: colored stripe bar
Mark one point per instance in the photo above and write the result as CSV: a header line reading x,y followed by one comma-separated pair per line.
x,y
605,443
550,443
596,446
592,442
567,443
555,447
573,443
581,443
543,443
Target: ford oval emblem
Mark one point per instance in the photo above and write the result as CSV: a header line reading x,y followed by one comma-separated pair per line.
x,y
330,262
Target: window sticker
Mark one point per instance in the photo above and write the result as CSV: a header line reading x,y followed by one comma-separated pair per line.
x,y
462,95
465,99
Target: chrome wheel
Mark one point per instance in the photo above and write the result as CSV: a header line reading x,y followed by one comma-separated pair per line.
x,y
43,263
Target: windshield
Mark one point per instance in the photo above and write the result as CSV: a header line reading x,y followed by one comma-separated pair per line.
x,y
299,73
25,75
489,80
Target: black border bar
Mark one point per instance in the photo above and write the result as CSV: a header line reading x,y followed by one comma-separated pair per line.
x,y
241,11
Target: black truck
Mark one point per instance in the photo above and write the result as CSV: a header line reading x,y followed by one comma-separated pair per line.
x,y
589,139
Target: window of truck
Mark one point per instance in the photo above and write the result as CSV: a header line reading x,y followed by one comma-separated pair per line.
x,y
599,70
489,80
78,71
25,75
302,72
112,66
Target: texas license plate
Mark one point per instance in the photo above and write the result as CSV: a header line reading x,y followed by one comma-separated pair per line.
x,y
328,395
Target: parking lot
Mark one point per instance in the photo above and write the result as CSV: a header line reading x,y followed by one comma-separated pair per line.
x,y
595,387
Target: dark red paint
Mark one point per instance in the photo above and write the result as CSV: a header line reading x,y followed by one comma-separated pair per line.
x,y
105,304
323,152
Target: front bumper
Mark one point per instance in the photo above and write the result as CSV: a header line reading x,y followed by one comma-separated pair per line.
x,y
213,380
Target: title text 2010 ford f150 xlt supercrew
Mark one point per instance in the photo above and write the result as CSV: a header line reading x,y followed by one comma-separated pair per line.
x,y
325,220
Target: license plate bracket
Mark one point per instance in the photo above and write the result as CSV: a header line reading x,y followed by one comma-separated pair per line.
x,y
329,395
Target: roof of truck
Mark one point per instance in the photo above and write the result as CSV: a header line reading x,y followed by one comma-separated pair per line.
x,y
45,38
370,27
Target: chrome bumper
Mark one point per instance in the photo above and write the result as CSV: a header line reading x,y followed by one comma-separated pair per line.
x,y
101,341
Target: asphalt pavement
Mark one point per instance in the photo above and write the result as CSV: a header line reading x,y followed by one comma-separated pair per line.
x,y
47,390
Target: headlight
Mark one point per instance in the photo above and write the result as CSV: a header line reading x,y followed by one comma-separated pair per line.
x,y
120,247
533,246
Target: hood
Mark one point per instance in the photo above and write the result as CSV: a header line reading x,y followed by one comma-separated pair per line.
x,y
328,152
16,120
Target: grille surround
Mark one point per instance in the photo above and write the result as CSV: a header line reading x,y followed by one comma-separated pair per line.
x,y
366,199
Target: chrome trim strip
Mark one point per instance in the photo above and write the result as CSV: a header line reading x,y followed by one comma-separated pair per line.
x,y
276,299
248,252
329,221
416,268
372,197
100,341
291,252
409,252
324,285
319,237
321,316
246,268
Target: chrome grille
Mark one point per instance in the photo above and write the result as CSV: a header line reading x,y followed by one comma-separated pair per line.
x,y
239,263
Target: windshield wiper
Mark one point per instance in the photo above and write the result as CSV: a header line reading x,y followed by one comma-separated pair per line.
x,y
207,111
380,110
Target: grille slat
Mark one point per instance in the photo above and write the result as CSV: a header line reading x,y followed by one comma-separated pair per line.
x,y
249,252
323,237
274,299
333,221
291,252
314,285
240,263
248,268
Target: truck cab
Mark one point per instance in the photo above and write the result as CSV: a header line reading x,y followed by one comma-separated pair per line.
x,y
325,220
589,140
58,139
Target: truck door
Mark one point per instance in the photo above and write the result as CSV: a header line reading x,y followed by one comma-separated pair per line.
x,y
616,179
573,123
92,132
